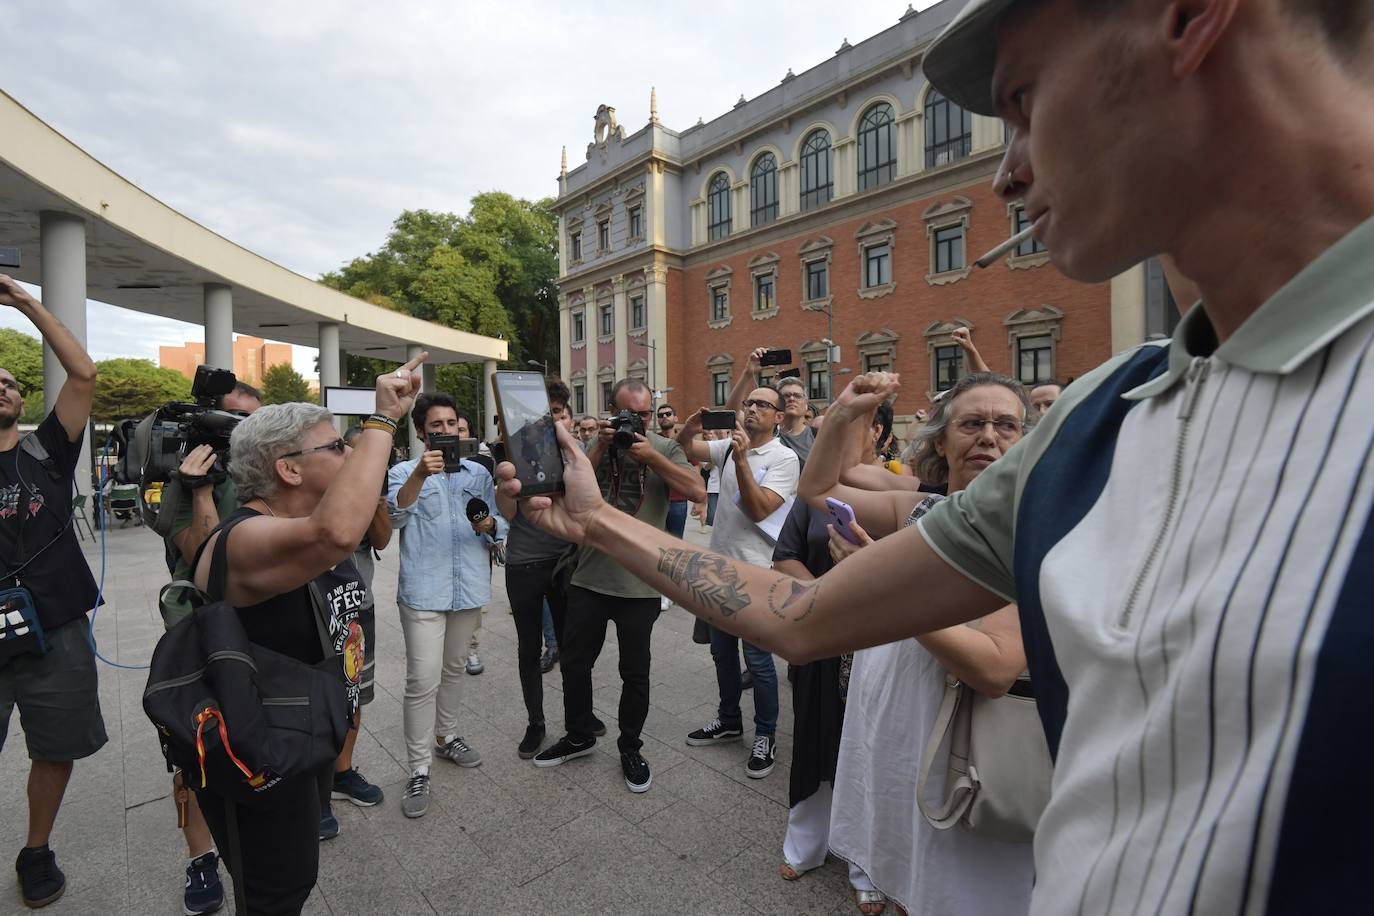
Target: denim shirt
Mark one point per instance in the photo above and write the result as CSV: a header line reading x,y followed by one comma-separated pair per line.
x,y
445,565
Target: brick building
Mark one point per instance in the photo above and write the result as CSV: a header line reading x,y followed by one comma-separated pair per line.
x,y
253,356
844,206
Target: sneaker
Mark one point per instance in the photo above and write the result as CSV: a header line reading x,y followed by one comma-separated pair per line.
x,y
415,801
714,733
204,892
548,660
562,751
40,880
746,680
763,757
534,736
637,775
598,728
329,825
457,750
350,786
664,603
475,665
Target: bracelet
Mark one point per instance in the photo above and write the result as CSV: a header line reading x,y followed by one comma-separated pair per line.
x,y
382,419
374,423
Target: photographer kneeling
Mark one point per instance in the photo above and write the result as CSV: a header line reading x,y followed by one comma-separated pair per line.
x,y
307,501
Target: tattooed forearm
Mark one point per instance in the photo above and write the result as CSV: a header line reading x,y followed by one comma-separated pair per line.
x,y
710,579
790,599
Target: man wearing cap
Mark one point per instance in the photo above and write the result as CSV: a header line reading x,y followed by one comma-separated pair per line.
x,y
1188,533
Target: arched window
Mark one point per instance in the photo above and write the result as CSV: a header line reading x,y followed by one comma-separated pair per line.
x,y
816,184
949,131
763,190
718,207
877,147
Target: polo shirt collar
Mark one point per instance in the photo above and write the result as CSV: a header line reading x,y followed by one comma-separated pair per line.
x,y
1325,299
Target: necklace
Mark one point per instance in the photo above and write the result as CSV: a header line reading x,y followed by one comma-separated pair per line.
x,y
267,507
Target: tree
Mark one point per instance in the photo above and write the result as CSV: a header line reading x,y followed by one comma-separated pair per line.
x,y
282,384
131,388
22,355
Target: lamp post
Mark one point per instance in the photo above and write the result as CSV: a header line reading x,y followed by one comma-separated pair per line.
x,y
543,367
829,342
652,347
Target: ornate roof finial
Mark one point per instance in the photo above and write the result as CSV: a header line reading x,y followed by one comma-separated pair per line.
x,y
563,169
653,105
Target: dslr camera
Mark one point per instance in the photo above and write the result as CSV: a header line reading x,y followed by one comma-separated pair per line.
x,y
627,424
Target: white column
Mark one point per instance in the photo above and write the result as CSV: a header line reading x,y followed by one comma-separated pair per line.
x,y
564,339
488,400
413,351
656,288
844,176
329,361
219,326
591,327
62,252
622,328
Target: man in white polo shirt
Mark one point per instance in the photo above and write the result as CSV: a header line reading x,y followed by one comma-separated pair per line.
x,y
758,481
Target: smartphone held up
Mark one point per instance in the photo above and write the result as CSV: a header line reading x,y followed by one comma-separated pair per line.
x,y
528,431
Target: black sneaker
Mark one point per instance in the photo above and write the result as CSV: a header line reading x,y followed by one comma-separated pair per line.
x,y
548,660
598,728
714,733
329,825
204,891
40,880
534,736
637,775
351,786
763,757
563,750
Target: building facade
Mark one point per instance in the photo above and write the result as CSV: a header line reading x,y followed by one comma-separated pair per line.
x,y
837,215
253,356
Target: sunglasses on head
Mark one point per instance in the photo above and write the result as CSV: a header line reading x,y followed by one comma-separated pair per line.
x,y
338,445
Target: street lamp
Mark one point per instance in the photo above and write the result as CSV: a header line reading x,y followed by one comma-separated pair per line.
x,y
543,367
829,342
653,366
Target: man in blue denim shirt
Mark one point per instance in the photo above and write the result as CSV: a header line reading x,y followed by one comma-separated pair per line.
x,y
445,579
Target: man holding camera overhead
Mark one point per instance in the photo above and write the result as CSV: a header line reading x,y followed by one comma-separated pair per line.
x,y
443,507
636,469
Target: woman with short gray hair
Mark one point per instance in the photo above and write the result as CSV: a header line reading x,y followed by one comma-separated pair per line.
x,y
261,437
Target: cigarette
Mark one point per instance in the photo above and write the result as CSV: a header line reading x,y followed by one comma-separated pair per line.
x,y
998,253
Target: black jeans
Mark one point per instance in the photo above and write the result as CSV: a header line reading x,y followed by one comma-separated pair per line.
x,y
280,845
580,643
528,585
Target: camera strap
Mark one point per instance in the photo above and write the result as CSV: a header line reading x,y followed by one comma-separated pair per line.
x,y
31,446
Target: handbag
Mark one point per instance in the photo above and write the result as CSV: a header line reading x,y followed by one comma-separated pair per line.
x,y
998,778
237,717
20,629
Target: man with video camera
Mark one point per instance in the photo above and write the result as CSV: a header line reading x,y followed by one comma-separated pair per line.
x,y
47,663
636,469
443,507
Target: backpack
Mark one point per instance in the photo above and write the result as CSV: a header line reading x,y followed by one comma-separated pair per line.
x,y
236,717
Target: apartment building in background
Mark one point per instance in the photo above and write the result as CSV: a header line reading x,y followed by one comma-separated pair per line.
x,y
253,356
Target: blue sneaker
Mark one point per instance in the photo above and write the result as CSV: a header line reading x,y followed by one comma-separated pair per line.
x,y
204,892
350,786
329,825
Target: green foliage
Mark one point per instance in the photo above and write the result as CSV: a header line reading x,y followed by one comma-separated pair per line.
x,y
22,355
282,384
132,388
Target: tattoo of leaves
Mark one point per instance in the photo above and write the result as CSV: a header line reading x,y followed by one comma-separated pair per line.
x,y
711,579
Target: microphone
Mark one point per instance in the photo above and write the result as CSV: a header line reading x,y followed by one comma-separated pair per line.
x,y
478,510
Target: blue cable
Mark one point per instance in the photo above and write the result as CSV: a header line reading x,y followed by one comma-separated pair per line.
x,y
100,589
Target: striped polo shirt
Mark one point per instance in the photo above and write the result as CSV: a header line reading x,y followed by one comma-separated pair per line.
x,y
1188,536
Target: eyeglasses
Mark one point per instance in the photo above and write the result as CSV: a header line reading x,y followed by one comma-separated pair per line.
x,y
760,405
1003,426
793,396
338,445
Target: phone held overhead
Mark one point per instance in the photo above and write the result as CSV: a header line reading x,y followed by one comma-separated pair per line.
x,y
527,428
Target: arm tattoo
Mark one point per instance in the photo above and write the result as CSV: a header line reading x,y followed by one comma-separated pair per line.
x,y
709,578
789,595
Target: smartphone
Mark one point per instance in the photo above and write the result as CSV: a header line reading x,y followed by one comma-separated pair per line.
x,y
789,373
776,358
451,446
718,419
843,516
467,448
527,426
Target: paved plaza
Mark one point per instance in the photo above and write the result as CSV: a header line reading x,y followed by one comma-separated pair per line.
x,y
502,838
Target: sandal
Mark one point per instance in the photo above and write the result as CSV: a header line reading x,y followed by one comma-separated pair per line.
x,y
871,903
789,873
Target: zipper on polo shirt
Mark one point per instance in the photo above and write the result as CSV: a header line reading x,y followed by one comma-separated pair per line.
x,y
1194,380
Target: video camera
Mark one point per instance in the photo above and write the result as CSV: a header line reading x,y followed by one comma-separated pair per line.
x,y
163,438
627,424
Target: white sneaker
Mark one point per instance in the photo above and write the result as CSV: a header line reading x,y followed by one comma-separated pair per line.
x,y
664,603
475,665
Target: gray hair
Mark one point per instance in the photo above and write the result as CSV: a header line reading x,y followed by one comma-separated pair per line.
x,y
262,438
927,463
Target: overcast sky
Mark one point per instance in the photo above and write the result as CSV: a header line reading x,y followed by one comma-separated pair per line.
x,y
301,129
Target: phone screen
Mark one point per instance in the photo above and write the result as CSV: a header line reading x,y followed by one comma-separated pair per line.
x,y
527,425
718,419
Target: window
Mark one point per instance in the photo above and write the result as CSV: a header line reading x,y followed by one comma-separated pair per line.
x,y
718,207
877,147
817,279
949,361
949,131
636,222
720,387
1029,246
763,190
1035,359
816,184
579,326
603,235
878,265
607,319
575,243
949,249
636,312
878,362
818,380
720,303
579,399
763,293
607,385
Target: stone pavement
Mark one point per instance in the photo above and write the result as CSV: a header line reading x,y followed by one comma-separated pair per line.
x,y
504,837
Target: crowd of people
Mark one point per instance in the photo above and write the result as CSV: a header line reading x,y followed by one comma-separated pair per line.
x,y
1170,557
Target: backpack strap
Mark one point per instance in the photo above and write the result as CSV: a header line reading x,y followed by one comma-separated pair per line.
x,y
322,615
30,444
219,559
958,787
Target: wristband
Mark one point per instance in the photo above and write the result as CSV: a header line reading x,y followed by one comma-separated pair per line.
x,y
191,482
383,418
372,423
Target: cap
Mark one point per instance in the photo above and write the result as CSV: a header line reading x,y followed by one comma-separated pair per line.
x,y
960,61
